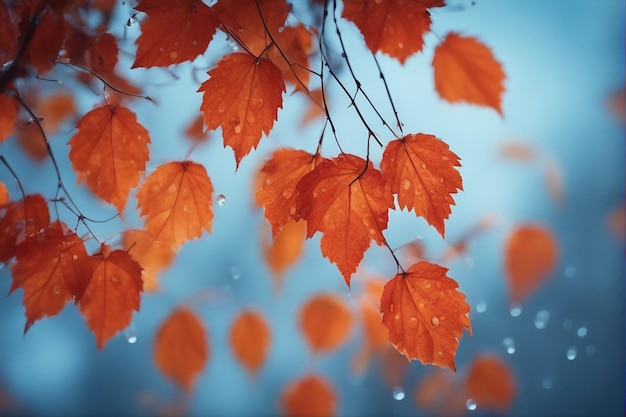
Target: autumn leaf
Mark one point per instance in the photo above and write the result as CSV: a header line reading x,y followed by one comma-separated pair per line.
x,y
153,256
55,109
174,32
291,53
310,396
285,249
9,32
491,383
112,293
279,177
376,336
32,141
52,269
242,95
8,116
46,42
19,220
103,53
250,340
176,201
4,195
181,350
466,71
425,314
109,152
440,393
531,252
421,170
195,130
393,27
347,200
325,322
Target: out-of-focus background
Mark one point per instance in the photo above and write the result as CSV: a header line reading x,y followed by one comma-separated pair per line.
x,y
564,61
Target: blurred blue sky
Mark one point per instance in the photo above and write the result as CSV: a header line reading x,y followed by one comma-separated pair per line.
x,y
563,59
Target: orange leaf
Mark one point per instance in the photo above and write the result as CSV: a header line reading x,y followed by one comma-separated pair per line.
x,y
296,44
54,109
346,199
112,293
285,248
242,95
181,349
466,71
195,130
325,322
421,171
19,220
109,152
395,28
52,269
103,53
279,177
250,340
441,394
176,201
4,194
530,256
32,141
8,116
425,314
151,255
174,32
311,396
490,383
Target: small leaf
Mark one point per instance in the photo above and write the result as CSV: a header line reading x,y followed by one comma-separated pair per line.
x,y
491,383
325,322
441,394
4,195
8,116
176,201
422,172
311,396
531,253
181,349
19,220
466,71
285,249
425,314
250,340
153,256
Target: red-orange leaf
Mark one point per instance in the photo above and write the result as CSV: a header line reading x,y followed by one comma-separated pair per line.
x,y
8,34
103,53
296,44
112,293
4,194
285,249
242,95
174,32
325,322
109,152
19,220
490,383
46,41
8,116
311,396
176,201
393,27
52,269
466,71
348,201
530,256
153,256
421,170
250,340
425,314
279,177
440,393
181,349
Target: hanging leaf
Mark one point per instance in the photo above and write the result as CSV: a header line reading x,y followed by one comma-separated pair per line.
x,y
176,201
425,314
491,383
181,350
421,170
285,249
325,322
8,116
19,220
310,396
153,256
294,45
250,340
441,394
4,195
103,53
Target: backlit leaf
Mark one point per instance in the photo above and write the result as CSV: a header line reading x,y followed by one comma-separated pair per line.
x,y
174,32
347,200
181,349
296,44
153,256
242,95
285,249
491,383
103,53
176,201
394,27
531,253
52,269
112,293
311,396
19,220
421,170
425,314
8,116
466,71
250,340
325,322
55,109
109,152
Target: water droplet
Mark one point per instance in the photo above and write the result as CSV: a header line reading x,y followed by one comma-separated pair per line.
x,y
571,353
546,383
237,129
397,316
372,233
391,307
470,404
161,49
398,394
423,166
288,193
235,272
194,42
421,305
257,102
172,188
481,307
173,55
413,318
406,184
432,191
570,271
221,109
366,220
434,321
516,310
509,344
74,257
56,289
400,45
582,331
130,334
292,211
541,319
115,279
221,200
185,208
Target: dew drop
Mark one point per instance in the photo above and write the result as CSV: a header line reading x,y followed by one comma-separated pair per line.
x,y
130,334
173,55
432,191
390,307
571,353
56,289
397,316
509,345
292,211
434,321
378,1
516,310
237,129
546,383
185,208
406,184
194,42
413,318
366,220
470,404
235,272
172,188
288,193
74,257
398,394
400,45
161,49
257,102
221,200
421,305
582,331
541,319
115,279
423,166
481,307
221,109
